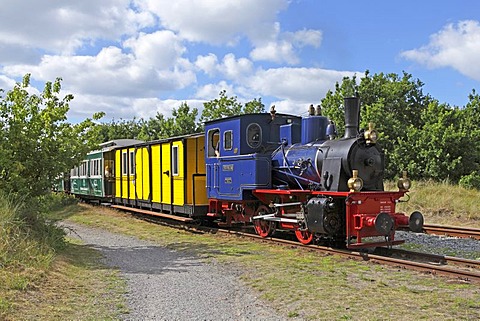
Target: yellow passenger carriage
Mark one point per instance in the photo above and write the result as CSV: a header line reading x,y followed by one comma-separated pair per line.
x,y
165,176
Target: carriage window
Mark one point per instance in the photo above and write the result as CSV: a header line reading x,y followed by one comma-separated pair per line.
x,y
175,160
132,163
254,135
213,142
95,165
227,140
83,169
109,168
124,164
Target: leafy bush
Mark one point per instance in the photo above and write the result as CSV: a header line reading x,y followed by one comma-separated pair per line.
x,y
26,237
471,181
55,201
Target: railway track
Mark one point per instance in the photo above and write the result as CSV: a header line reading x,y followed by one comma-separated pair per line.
x,y
458,268
458,231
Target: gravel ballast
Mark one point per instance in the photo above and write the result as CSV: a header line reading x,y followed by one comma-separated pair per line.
x,y
441,245
167,285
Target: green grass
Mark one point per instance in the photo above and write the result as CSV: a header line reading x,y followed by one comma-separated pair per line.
x,y
27,249
443,203
77,287
50,283
44,277
306,284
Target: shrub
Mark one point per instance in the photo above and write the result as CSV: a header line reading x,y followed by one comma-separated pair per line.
x,y
26,237
471,181
55,201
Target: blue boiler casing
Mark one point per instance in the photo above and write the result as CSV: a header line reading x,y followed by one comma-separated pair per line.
x,y
299,161
296,166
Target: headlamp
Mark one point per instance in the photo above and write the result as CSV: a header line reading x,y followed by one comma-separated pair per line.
x,y
371,134
404,182
355,183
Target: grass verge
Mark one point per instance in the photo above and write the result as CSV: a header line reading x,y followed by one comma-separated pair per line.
x,y
310,285
44,277
77,287
443,203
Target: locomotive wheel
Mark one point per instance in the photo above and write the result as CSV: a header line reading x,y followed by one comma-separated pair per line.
x,y
305,237
262,227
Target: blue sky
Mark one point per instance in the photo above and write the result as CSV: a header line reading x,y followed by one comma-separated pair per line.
x,y
136,58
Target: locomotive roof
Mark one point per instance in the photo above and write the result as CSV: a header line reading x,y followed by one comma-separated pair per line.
x,y
253,114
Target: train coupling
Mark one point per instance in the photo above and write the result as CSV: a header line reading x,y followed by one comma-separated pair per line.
x,y
413,224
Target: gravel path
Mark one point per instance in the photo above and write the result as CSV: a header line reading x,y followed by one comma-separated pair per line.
x,y
168,285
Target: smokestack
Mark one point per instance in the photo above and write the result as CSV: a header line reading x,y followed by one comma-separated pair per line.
x,y
352,116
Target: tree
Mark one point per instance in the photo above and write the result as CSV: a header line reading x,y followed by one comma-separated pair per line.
x,y
254,106
182,122
391,102
37,142
121,129
155,128
228,106
437,149
469,119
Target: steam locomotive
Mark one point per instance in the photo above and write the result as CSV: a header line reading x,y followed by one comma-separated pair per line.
x,y
277,171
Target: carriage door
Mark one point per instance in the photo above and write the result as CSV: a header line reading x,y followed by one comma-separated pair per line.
x,y
166,174
178,173
212,150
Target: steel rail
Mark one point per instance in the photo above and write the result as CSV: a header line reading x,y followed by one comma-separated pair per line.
x,y
458,231
437,265
470,274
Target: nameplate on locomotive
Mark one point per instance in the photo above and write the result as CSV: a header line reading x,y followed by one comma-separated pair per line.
x,y
228,168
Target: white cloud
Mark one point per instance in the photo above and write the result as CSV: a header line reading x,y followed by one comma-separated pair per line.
x,y
61,27
275,51
295,88
208,64
161,49
217,22
236,69
291,107
139,64
6,83
456,46
110,73
281,47
117,108
305,37
211,91
297,84
230,67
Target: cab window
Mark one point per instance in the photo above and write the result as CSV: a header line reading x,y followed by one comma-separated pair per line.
x,y
213,142
254,135
228,140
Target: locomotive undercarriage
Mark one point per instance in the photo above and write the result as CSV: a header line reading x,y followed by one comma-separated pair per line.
x,y
296,213
355,220
292,217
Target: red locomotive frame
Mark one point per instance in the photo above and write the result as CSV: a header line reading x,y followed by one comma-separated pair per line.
x,y
364,211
